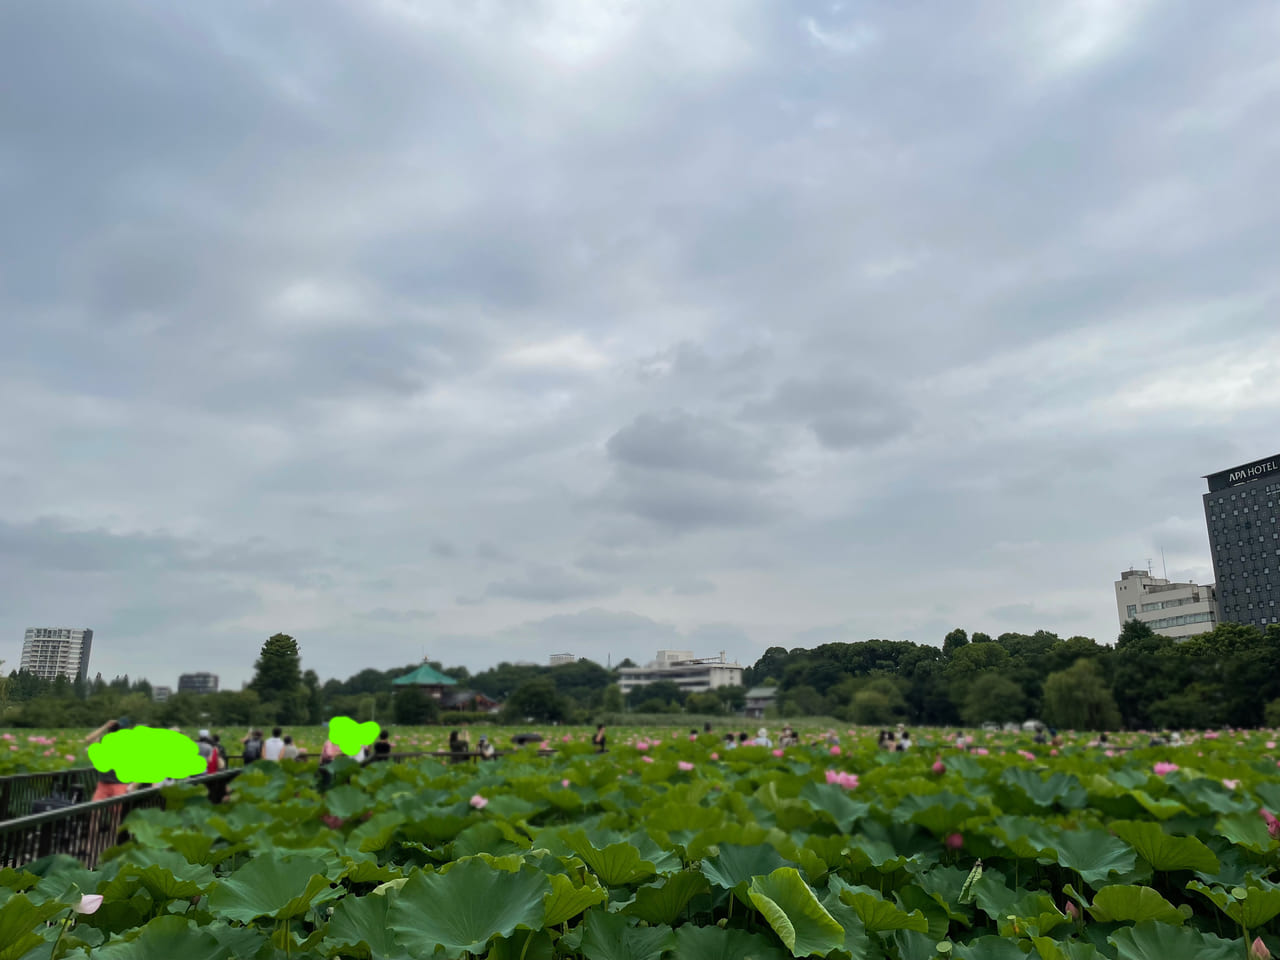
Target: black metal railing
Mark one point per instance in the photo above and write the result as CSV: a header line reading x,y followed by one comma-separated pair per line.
x,y
86,830
19,793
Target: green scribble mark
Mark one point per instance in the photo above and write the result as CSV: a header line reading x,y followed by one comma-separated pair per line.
x,y
147,755
351,736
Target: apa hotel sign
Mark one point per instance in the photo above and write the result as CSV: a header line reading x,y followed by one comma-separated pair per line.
x,y
1244,474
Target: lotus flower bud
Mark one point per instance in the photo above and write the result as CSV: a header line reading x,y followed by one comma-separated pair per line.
x,y
1258,950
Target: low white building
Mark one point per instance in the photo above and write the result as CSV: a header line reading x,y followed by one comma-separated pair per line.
x,y
560,658
690,674
1177,610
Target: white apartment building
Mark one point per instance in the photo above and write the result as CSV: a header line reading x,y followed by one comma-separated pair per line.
x,y
52,651
559,658
684,670
1177,610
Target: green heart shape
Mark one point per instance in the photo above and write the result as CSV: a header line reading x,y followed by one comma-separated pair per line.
x,y
351,736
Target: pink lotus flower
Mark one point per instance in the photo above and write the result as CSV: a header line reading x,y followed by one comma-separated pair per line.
x,y
566,738
939,767
1072,911
564,782
980,751
847,780
1027,754
647,759
1110,753
715,756
1053,752
1211,735
685,765
89,903
1258,950
835,751
693,737
954,841
71,757
1271,744
1273,825
778,752
1231,784
332,822
642,746
479,802
1163,768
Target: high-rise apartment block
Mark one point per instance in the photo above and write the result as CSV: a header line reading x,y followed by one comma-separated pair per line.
x,y
198,683
1175,610
50,652
1244,538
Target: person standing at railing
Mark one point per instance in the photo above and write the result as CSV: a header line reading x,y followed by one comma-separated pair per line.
x,y
109,784
274,747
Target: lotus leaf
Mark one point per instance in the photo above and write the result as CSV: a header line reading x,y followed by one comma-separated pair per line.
x,y
663,901
610,936
712,943
1133,905
165,938
1094,854
1165,852
565,900
363,923
463,910
1161,941
791,908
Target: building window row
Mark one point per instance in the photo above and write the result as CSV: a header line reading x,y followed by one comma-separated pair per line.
x,y
1180,621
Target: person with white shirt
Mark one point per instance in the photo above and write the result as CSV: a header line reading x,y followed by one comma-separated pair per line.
x,y
273,747
762,738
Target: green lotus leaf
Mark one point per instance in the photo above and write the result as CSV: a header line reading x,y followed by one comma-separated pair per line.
x,y
791,908
1251,910
834,800
857,943
734,866
1060,788
939,813
1162,808
1049,949
1133,904
164,938
610,936
916,900
164,886
1025,838
1166,852
566,900
496,837
467,907
876,913
988,948
1094,854
521,945
269,886
713,943
1246,830
944,885
616,864
1161,941
376,832
346,801
362,923
663,902
18,880
830,850
18,918
673,818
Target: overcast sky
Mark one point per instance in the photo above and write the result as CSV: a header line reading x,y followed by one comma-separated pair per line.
x,y
492,330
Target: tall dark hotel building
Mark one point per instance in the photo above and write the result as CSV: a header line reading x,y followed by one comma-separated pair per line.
x,y
1244,537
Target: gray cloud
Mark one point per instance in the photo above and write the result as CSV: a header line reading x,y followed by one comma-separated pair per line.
x,y
684,443
729,312
543,583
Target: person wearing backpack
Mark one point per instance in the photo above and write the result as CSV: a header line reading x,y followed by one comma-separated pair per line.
x,y
252,746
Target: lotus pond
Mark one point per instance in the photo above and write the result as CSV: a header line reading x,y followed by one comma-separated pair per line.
x,y
673,847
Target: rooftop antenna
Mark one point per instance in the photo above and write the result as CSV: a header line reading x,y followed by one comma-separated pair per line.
x,y
1163,564
1149,573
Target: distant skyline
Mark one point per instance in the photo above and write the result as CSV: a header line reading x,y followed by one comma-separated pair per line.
x,y
493,331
